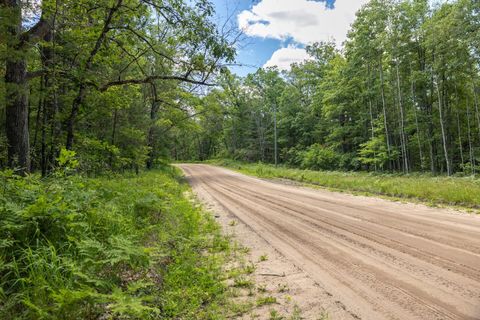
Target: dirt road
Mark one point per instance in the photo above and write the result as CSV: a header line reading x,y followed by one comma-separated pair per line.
x,y
381,259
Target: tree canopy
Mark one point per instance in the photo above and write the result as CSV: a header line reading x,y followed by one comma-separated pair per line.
x,y
127,83
402,95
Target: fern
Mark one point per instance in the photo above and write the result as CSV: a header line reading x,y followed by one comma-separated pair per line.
x,y
132,247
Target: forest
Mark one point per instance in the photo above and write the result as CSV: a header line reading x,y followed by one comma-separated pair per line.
x,y
99,97
401,96
105,79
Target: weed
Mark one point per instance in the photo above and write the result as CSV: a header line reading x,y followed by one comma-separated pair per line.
x,y
262,288
239,309
296,314
249,269
242,282
266,300
323,315
123,247
275,315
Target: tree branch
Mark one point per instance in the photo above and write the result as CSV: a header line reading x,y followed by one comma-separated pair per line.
x,y
35,74
149,79
35,34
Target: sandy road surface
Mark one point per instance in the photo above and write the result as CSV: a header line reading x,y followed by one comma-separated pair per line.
x,y
381,259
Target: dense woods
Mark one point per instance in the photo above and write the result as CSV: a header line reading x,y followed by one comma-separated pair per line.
x,y
402,95
92,88
104,78
123,84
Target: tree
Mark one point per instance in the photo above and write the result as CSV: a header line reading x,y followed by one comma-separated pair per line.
x,y
18,43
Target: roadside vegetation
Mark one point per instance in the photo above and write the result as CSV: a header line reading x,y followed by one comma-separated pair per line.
x,y
434,190
121,247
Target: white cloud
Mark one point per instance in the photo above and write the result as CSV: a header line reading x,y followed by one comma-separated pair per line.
x,y
304,21
284,57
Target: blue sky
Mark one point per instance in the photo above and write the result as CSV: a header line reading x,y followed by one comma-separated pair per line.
x,y
277,31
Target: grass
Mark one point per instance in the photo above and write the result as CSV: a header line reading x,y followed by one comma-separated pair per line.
x,y
266,300
434,190
114,247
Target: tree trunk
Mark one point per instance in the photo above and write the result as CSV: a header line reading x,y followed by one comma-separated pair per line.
x,y
402,123
154,107
50,108
470,145
385,112
275,146
16,84
442,127
77,102
38,123
113,137
17,115
16,95
420,150
459,132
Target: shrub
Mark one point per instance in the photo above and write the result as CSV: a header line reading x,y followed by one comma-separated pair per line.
x,y
317,157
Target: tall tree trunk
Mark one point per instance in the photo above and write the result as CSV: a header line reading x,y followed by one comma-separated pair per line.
x,y
16,94
50,103
16,83
431,135
154,107
372,128
43,152
38,118
77,102
470,144
442,127
414,103
370,108
402,122
275,134
384,105
113,137
17,115
459,132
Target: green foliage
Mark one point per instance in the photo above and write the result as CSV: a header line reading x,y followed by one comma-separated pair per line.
x,y
402,96
113,83
123,247
318,157
374,153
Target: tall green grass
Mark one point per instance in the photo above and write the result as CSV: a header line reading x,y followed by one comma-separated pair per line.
x,y
117,247
457,191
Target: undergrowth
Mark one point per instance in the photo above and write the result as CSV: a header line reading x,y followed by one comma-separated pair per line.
x,y
437,190
117,247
